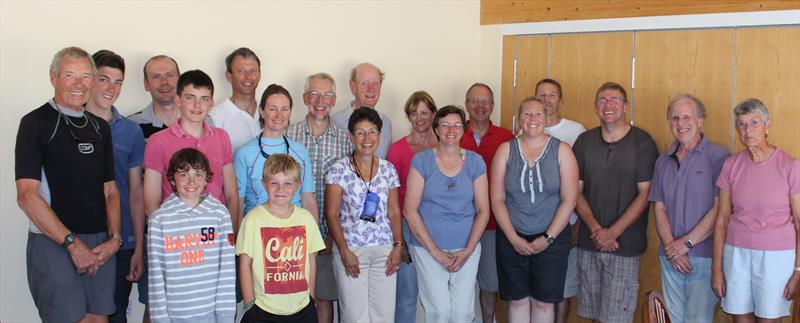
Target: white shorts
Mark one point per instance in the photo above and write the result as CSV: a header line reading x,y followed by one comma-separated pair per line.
x,y
755,280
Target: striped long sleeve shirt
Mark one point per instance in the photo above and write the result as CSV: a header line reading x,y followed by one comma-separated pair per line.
x,y
192,274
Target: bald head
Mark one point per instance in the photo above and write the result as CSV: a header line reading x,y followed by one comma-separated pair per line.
x,y
365,84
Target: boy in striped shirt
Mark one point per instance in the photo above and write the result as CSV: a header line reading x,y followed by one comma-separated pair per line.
x,y
277,247
190,249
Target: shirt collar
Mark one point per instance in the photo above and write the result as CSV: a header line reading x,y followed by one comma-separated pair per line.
x,y
673,148
488,130
150,116
115,115
329,131
178,131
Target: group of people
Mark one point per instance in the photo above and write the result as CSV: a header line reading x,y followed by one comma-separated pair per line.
x,y
204,206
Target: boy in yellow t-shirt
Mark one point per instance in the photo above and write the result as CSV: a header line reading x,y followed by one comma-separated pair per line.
x,y
277,246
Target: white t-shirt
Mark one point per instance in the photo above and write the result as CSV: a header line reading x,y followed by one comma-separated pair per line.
x,y
567,131
240,126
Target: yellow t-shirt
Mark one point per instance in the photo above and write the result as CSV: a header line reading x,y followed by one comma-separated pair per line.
x,y
280,250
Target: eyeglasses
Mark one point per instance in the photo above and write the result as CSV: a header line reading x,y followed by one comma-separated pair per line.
x,y
323,95
361,133
446,126
480,100
611,101
755,123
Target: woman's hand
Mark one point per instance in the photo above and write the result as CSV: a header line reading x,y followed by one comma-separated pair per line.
x,y
521,246
443,258
393,261
459,258
350,262
791,286
718,283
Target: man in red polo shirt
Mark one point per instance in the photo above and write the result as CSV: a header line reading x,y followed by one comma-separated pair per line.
x,y
483,137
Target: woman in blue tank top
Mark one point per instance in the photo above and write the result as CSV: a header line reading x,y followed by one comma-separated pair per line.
x,y
534,190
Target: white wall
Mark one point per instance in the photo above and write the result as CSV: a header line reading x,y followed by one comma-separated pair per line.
x,y
437,46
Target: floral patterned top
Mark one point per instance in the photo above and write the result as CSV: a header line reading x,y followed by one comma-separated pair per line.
x,y
358,232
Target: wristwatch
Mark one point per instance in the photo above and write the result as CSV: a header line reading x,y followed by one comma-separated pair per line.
x,y
548,238
69,239
689,244
397,244
116,236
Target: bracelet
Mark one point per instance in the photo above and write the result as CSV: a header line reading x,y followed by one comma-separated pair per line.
x,y
247,306
796,269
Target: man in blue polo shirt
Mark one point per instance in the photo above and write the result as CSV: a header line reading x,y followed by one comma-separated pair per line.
x,y
686,198
128,157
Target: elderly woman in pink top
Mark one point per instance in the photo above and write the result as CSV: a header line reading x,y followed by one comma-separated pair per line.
x,y
756,255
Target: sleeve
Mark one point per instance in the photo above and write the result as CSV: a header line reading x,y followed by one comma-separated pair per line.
x,y
392,179
724,180
108,172
335,174
28,152
646,159
154,154
794,177
227,150
226,282
717,164
476,165
315,242
308,170
578,150
240,168
156,285
656,193
420,162
137,147
246,241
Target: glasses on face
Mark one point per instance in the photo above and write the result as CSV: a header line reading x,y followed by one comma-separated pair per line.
x,y
742,124
455,126
477,101
361,133
321,95
611,101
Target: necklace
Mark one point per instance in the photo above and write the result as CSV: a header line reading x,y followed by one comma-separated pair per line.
x,y
445,164
358,170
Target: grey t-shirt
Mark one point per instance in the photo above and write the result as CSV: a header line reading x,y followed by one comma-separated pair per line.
x,y
533,192
610,172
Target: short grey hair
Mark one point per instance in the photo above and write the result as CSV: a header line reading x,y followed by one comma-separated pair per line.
x,y
752,105
320,76
699,107
72,52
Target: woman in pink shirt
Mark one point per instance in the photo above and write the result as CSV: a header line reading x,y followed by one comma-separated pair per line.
x,y
419,110
756,261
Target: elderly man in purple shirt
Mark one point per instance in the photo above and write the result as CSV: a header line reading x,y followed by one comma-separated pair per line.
x,y
686,205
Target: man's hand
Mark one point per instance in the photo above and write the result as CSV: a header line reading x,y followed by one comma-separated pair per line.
x,y
676,248
82,257
105,250
137,267
604,240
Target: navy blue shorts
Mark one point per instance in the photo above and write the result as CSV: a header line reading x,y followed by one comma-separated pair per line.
x,y
540,276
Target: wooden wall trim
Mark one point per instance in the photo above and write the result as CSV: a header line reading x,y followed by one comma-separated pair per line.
x,y
505,12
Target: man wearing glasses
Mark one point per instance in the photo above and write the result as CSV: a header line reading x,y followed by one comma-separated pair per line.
x,y
325,143
366,81
483,137
64,171
616,164
160,79
239,114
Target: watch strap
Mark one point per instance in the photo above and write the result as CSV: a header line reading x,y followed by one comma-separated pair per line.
x,y
69,239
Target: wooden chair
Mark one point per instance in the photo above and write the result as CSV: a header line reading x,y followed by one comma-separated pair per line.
x,y
654,310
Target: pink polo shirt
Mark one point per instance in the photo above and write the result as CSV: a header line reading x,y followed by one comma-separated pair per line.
x,y
214,143
761,217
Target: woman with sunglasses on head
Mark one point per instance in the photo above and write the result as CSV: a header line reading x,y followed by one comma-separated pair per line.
x,y
363,214
447,207
534,190
755,261
275,111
